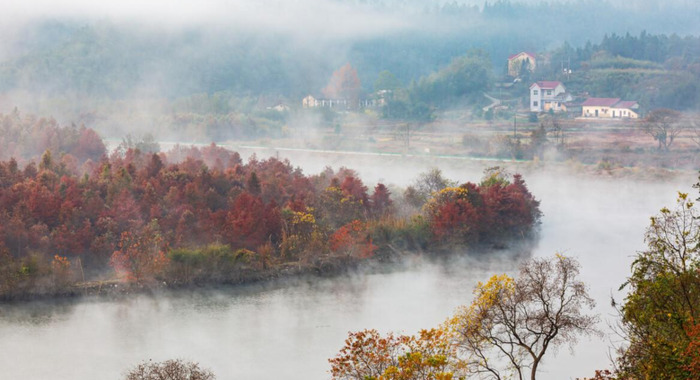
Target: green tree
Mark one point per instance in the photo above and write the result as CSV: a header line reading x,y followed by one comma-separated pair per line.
x,y
387,81
663,304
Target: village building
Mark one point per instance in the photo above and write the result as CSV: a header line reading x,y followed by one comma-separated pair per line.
x,y
311,102
546,96
609,108
517,62
279,107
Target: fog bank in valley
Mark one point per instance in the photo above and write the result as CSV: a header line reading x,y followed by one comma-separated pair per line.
x,y
294,327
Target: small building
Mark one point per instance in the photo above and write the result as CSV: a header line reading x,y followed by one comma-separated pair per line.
x,y
548,95
517,62
279,107
309,102
609,108
342,104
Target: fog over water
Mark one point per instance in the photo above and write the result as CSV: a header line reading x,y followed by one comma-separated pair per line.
x,y
290,330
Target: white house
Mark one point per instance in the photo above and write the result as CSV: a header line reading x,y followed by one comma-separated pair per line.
x,y
548,95
309,102
610,108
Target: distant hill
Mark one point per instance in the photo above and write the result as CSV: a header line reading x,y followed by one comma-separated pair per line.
x,y
117,59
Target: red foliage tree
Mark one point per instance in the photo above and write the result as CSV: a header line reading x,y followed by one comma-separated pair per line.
x,y
452,216
141,255
353,239
354,188
250,223
692,352
89,145
344,84
380,201
510,208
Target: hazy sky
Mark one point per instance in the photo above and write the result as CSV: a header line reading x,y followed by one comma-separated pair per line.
x,y
302,16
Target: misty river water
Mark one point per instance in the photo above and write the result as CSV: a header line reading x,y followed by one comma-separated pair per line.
x,y
288,331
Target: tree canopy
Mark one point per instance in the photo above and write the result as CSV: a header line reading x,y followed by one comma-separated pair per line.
x,y
660,315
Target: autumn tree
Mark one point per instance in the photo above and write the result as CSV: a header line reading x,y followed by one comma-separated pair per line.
x,y
250,222
353,239
496,209
300,234
662,309
510,210
380,201
344,84
367,355
89,145
169,370
513,322
692,352
338,207
452,215
664,125
141,254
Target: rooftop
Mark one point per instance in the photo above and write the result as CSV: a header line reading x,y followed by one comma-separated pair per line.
x,y
522,52
547,84
600,102
626,104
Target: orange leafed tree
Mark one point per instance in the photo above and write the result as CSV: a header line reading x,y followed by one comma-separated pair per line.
x,y
369,355
353,239
344,84
692,352
140,256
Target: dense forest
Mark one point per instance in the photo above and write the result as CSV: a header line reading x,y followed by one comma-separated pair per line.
x,y
196,215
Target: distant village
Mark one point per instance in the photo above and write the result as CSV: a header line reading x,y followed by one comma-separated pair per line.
x,y
546,96
552,97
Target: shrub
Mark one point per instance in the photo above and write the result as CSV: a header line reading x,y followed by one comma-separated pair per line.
x,y
169,370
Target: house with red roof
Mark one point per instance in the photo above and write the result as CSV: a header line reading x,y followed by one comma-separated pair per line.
x,y
610,108
548,95
524,59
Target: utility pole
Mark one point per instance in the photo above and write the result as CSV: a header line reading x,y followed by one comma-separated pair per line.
x,y
408,136
515,124
566,70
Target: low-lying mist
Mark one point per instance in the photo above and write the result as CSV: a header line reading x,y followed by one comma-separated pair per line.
x,y
299,324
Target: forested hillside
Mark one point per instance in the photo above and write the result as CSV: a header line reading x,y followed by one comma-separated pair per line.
x,y
54,57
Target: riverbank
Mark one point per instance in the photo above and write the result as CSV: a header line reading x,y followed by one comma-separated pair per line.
x,y
388,260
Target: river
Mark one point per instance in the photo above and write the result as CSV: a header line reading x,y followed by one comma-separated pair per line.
x,y
290,330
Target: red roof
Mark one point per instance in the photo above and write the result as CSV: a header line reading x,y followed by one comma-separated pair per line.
x,y
626,104
547,84
532,55
600,102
